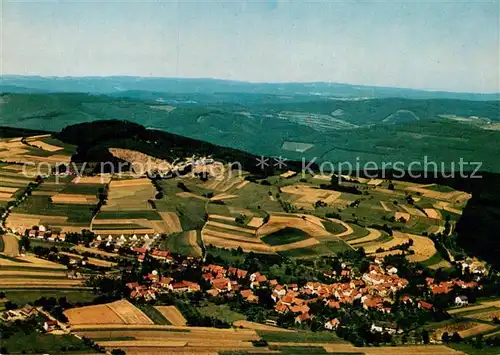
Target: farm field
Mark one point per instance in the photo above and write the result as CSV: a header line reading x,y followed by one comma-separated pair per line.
x,y
172,314
479,307
185,243
119,312
25,296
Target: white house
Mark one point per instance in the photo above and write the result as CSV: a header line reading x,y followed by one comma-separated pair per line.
x,y
461,301
332,324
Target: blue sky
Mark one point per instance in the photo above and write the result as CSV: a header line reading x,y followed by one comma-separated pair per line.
x,y
448,45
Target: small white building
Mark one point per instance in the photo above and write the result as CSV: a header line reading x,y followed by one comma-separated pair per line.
x,y
461,301
332,324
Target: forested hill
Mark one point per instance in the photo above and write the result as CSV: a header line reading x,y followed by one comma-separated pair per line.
x,y
94,138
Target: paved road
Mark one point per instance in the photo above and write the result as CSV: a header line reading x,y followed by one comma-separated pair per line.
x,y
11,244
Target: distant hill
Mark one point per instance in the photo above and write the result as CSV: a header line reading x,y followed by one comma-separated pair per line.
x,y
118,84
375,130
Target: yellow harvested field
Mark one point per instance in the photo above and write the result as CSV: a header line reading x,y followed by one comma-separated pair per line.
x,y
373,235
218,216
172,222
129,183
256,222
230,227
223,197
242,184
37,137
478,329
30,261
8,190
27,272
190,195
446,206
375,182
474,308
288,174
10,244
308,224
45,146
166,340
348,228
323,177
307,195
433,213
209,239
119,312
424,247
15,180
37,282
124,231
172,314
53,159
451,196
409,350
76,199
98,179
129,313
228,235
398,215
93,261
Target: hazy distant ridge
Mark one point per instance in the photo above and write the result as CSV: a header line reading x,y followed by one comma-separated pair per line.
x,y
118,84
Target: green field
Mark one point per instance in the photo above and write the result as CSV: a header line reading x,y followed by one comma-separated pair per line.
x,y
42,205
222,312
308,252
179,243
21,297
285,236
83,189
37,343
334,228
146,214
337,246
299,337
154,314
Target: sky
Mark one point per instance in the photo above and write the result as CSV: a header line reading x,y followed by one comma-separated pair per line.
x,y
433,45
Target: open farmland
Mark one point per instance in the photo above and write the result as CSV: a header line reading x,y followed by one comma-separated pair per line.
x,y
129,211
172,314
119,312
306,196
184,243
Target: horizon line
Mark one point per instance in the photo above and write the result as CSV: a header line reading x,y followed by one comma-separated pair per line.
x,y
246,82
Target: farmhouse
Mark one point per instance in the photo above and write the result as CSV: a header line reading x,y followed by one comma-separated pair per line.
x,y
50,325
332,324
461,301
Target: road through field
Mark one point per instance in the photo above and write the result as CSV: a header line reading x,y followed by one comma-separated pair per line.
x,y
11,244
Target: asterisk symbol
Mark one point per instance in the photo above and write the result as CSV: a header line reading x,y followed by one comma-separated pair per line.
x,y
279,162
262,162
